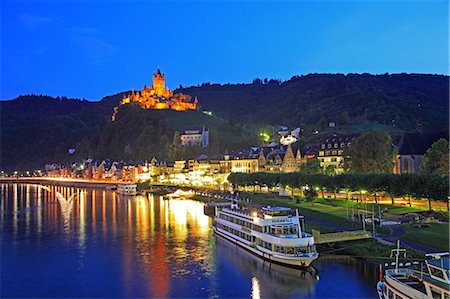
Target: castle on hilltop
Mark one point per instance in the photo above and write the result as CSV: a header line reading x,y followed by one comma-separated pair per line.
x,y
160,97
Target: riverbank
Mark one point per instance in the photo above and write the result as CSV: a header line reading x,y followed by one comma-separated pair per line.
x,y
331,218
66,182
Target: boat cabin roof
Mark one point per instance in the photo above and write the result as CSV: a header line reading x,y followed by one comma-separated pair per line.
x,y
269,208
276,211
442,263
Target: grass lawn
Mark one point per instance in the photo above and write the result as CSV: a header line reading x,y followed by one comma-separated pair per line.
x,y
374,251
399,210
317,211
323,229
435,236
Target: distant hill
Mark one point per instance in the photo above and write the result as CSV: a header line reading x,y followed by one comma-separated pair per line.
x,y
36,130
139,134
400,100
39,129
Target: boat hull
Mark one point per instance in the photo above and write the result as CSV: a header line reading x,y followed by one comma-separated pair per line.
x,y
301,262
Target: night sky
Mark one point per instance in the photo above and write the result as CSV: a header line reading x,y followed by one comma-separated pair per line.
x,y
98,48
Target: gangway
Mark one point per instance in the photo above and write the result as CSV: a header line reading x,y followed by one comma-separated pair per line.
x,y
340,236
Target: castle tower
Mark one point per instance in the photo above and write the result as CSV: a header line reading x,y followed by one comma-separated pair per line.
x,y
158,83
289,162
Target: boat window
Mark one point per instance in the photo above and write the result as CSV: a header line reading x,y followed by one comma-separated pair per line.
x,y
436,294
390,294
436,272
446,296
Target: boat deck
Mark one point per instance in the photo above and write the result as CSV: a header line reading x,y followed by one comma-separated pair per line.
x,y
409,280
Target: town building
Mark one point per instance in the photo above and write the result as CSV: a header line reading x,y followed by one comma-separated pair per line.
x,y
331,152
195,136
411,149
289,162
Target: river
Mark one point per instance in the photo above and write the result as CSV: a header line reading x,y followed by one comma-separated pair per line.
x,y
83,242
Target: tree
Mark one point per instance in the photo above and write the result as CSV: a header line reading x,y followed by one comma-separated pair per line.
x,y
311,166
214,140
436,158
329,170
371,153
175,147
322,122
310,195
344,118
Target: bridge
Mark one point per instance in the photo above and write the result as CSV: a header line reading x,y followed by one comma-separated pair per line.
x,y
340,236
68,182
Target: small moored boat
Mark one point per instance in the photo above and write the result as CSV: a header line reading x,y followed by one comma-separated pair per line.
x,y
126,189
431,280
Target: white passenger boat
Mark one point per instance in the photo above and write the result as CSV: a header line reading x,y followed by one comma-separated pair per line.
x,y
431,280
273,233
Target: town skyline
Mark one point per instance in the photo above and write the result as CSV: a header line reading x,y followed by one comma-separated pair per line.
x,y
195,43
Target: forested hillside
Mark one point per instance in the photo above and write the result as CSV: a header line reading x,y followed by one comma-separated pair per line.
x,y
400,100
36,130
139,134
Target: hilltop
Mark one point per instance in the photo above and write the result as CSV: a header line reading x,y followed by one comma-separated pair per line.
x,y
36,130
399,101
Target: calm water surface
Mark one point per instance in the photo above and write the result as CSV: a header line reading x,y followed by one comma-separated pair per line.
x,y
78,242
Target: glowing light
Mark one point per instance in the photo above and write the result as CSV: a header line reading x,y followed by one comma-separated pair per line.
x,y
285,140
265,136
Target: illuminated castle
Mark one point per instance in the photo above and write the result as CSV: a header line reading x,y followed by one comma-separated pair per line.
x,y
160,97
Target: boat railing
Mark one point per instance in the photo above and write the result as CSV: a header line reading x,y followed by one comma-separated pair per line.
x,y
248,214
287,236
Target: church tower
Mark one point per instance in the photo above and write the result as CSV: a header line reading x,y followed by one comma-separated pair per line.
x,y
289,162
299,158
158,83
261,160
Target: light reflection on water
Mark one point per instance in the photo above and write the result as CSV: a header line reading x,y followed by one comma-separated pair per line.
x,y
78,242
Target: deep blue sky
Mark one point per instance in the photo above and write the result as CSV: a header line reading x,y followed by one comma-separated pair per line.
x,y
98,48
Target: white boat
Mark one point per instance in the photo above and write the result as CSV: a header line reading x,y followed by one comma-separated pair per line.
x,y
431,280
126,189
179,194
273,233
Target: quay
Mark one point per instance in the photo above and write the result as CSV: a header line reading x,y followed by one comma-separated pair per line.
x,y
66,182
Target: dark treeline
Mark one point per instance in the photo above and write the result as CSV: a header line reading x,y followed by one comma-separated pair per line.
x,y
430,186
396,101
